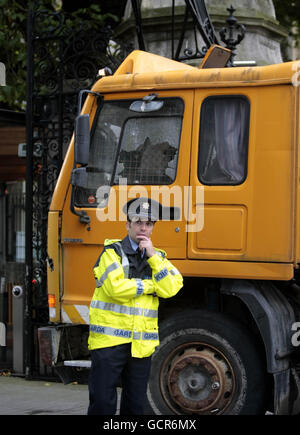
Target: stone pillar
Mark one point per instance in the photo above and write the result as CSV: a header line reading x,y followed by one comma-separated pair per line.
x,y
263,32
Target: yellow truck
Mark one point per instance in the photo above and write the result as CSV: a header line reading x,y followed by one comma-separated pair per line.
x,y
219,149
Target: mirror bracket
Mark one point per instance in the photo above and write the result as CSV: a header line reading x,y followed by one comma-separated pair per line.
x,y
85,91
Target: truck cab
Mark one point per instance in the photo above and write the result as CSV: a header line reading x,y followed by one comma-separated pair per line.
x,y
218,148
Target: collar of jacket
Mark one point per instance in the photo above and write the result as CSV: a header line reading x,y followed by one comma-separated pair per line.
x,y
126,245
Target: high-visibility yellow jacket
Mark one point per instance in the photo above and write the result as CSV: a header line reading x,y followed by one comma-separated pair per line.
x,y
124,309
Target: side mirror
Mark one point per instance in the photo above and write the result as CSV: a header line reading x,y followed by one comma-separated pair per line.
x,y
81,155
82,140
79,179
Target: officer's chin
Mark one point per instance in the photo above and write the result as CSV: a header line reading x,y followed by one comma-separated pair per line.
x,y
140,238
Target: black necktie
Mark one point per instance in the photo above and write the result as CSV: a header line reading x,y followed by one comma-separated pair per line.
x,y
140,252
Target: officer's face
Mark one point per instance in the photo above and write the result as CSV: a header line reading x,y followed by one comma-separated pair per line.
x,y
139,229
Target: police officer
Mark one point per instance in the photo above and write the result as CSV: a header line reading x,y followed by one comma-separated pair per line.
x,y
131,275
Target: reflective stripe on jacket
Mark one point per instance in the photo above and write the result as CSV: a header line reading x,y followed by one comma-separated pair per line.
x,y
125,309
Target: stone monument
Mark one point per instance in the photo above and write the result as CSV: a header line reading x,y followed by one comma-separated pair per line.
x,y
260,44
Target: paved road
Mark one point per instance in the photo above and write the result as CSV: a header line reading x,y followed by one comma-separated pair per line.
x,y
19,396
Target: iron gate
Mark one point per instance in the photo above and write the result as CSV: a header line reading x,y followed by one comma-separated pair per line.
x,y
61,60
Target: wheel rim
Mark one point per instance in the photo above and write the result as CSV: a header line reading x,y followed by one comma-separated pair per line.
x,y
197,378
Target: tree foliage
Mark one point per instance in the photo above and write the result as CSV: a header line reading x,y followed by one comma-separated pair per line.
x,y
13,47
13,53
288,14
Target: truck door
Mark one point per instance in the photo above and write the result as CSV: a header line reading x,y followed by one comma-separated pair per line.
x,y
135,151
242,155
138,150
220,162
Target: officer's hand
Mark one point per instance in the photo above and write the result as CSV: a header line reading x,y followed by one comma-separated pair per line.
x,y
146,243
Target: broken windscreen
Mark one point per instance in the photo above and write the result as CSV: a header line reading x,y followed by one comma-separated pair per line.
x,y
133,147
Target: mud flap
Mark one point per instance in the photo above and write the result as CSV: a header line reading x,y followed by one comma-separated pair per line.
x,y
287,392
274,317
49,339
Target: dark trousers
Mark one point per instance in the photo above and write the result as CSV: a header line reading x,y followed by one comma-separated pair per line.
x,y
109,365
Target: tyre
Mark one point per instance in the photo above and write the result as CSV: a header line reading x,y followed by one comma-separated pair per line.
x,y
206,364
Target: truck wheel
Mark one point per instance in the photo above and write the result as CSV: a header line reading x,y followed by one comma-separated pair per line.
x,y
207,363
